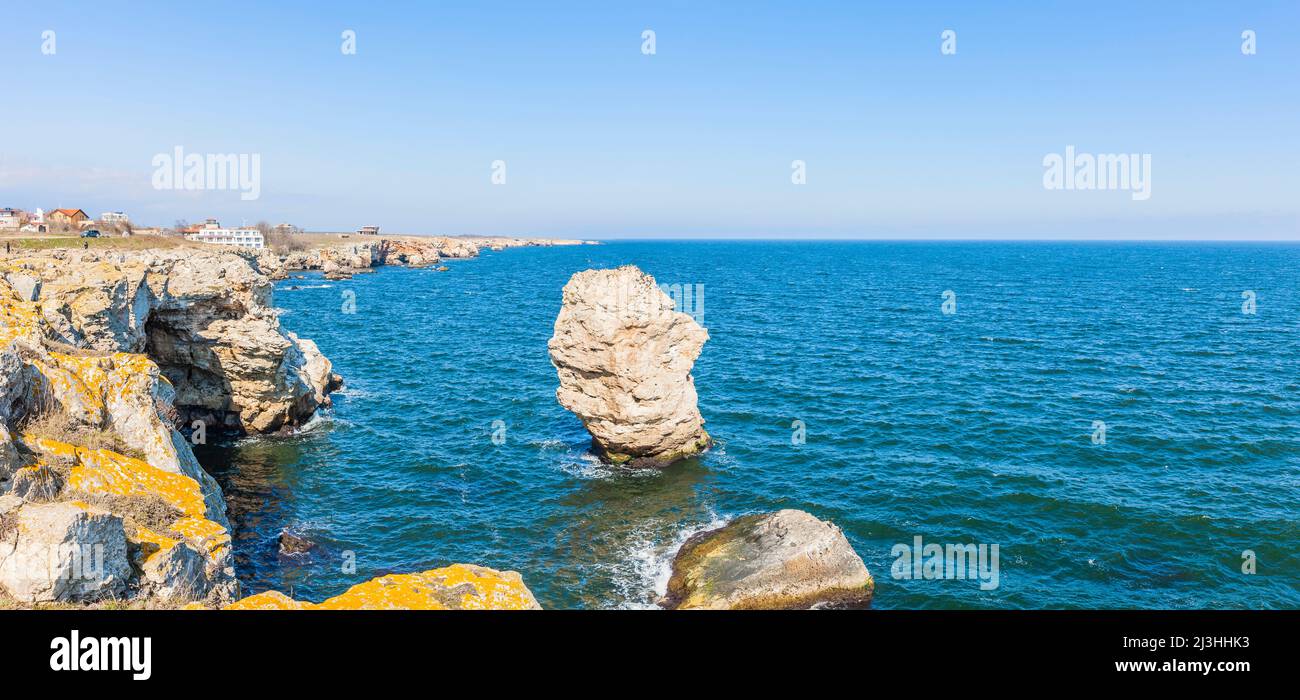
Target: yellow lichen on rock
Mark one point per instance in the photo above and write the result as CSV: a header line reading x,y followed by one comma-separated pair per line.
x,y
214,538
18,319
148,543
455,587
268,600
104,472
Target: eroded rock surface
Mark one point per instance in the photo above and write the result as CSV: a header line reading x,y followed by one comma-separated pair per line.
x,y
63,552
344,258
203,316
624,359
783,560
89,419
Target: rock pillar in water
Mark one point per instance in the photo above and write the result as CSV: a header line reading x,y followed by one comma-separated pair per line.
x,y
624,358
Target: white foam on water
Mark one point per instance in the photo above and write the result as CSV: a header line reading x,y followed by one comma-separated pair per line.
x,y
322,420
584,465
646,566
351,392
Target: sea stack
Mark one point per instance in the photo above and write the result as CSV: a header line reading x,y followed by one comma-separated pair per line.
x,y
624,358
771,561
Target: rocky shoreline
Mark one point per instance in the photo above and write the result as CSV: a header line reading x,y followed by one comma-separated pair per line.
x,y
112,364
344,259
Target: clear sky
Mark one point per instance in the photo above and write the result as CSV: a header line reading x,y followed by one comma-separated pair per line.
x,y
603,141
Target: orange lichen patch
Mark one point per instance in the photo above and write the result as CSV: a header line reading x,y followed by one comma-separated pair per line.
x,y
144,534
120,386
92,381
96,371
105,471
52,448
269,600
150,543
456,587
204,532
18,319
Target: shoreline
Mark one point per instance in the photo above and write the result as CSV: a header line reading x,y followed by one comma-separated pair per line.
x,y
134,355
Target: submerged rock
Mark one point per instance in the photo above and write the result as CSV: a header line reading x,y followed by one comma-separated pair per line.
x,y
456,587
624,358
291,543
783,560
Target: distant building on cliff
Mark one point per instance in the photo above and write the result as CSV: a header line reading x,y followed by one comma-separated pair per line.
x,y
286,229
72,217
11,218
212,232
114,217
368,230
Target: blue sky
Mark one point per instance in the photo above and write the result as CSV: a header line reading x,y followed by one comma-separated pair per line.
x,y
697,140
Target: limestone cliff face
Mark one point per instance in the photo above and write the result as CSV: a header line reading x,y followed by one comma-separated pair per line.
x,y
411,251
204,317
102,357
624,358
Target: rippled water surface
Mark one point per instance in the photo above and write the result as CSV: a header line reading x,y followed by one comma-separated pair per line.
x,y
974,427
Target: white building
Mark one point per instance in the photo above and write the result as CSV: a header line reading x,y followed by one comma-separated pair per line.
x,y
11,218
114,217
212,232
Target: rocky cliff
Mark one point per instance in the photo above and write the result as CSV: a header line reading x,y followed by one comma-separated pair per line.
x,y
102,358
203,316
361,253
624,358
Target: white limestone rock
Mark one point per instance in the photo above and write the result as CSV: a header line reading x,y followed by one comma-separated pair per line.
x,y
624,359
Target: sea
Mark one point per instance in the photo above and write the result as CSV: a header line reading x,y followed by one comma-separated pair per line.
x,y
1121,421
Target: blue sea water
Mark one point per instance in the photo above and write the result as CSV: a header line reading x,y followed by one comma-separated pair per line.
x,y
972,427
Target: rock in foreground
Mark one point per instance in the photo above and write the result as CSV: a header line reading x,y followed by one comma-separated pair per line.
x,y
783,560
624,359
62,552
456,587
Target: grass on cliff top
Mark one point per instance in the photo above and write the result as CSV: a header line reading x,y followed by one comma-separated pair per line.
x,y
107,243
8,602
57,425
72,350
146,510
